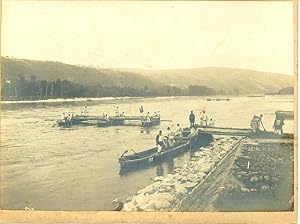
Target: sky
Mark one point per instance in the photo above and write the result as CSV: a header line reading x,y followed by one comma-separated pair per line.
x,y
151,35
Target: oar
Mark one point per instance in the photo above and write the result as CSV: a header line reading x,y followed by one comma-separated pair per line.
x,y
54,125
166,120
262,125
49,119
202,110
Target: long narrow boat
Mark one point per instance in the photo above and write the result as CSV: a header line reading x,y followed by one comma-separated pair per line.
x,y
288,115
64,123
152,157
108,123
225,130
154,121
241,132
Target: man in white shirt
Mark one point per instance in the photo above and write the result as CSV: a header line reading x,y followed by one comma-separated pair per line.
x,y
204,119
117,113
179,131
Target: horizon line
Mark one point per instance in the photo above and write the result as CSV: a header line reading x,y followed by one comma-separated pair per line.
x,y
141,68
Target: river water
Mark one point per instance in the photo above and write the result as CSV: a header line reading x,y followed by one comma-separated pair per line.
x,y
52,168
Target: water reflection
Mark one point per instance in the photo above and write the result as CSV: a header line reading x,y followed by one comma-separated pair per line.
x,y
159,170
170,165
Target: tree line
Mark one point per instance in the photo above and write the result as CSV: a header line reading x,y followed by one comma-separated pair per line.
x,y
29,88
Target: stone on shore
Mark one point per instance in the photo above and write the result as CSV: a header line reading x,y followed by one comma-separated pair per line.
x,y
265,187
190,185
159,178
253,179
161,204
140,200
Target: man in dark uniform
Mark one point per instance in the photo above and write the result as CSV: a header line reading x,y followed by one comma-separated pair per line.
x,y
192,119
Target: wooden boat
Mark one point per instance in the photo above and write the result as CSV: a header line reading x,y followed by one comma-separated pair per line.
x,y
152,157
153,121
89,123
74,121
64,123
224,130
241,132
287,115
107,123
101,121
256,96
218,99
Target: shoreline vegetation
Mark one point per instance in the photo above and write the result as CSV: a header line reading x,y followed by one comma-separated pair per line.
x,y
31,89
24,79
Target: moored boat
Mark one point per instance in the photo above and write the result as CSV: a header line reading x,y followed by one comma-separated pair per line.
x,y
152,157
288,115
64,123
155,120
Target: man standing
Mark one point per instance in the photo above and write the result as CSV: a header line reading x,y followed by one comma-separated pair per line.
x,y
159,141
278,123
117,113
204,119
179,131
141,109
192,119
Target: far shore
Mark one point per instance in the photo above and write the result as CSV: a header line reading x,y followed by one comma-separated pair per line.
x,y
85,99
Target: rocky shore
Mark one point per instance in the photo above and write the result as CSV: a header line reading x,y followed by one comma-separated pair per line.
x,y
262,178
167,191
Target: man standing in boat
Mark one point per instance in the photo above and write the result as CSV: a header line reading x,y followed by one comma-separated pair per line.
x,y
159,141
211,123
204,119
179,131
169,138
84,112
148,118
141,109
117,113
192,119
278,124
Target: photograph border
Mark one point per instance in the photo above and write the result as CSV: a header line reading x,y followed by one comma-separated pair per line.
x,y
16,216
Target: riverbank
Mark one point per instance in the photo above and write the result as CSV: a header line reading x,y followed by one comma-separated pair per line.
x,y
264,173
258,177
231,174
167,191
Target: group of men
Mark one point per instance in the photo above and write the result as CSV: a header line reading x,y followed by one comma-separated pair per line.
x,y
147,117
67,117
256,124
118,114
204,121
168,140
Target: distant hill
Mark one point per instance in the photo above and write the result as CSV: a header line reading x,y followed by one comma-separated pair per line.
x,y
48,70
220,79
226,79
287,90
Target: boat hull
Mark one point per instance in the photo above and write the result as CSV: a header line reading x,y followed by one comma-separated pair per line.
x,y
150,123
150,157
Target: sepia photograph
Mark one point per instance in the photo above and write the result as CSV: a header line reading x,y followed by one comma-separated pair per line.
x,y
148,107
